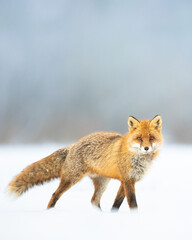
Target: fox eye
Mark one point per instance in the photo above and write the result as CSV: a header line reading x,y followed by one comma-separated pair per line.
x,y
151,138
139,138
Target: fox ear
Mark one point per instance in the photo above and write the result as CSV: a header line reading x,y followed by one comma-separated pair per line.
x,y
156,122
133,123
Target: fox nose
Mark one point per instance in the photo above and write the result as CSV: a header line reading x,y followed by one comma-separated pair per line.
x,y
146,148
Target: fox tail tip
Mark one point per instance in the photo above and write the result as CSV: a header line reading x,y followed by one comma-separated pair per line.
x,y
13,191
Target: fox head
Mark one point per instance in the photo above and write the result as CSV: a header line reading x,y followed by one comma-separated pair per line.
x,y
145,135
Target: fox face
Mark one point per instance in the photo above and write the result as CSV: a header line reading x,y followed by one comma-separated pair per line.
x,y
145,135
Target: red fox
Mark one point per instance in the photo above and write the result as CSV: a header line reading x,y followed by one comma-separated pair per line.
x,y
101,156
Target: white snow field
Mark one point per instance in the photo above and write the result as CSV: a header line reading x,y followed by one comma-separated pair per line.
x,y
164,198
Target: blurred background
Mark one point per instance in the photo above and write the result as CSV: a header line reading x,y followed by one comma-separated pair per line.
x,y
70,67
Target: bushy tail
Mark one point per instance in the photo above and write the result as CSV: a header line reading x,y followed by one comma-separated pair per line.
x,y
37,173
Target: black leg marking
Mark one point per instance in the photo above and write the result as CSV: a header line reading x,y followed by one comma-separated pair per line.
x,y
119,198
132,201
117,203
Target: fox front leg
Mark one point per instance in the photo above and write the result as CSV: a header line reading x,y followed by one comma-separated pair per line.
x,y
129,188
119,198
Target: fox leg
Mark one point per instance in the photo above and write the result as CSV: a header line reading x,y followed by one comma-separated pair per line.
x,y
129,187
64,185
100,184
119,198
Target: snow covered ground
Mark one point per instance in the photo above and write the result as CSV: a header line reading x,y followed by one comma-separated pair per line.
x,y
164,198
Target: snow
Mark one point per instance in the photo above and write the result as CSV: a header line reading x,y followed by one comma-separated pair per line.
x,y
164,198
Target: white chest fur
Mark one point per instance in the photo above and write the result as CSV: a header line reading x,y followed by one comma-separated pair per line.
x,y
140,165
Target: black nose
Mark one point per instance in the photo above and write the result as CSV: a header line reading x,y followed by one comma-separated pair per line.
x,y
146,148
